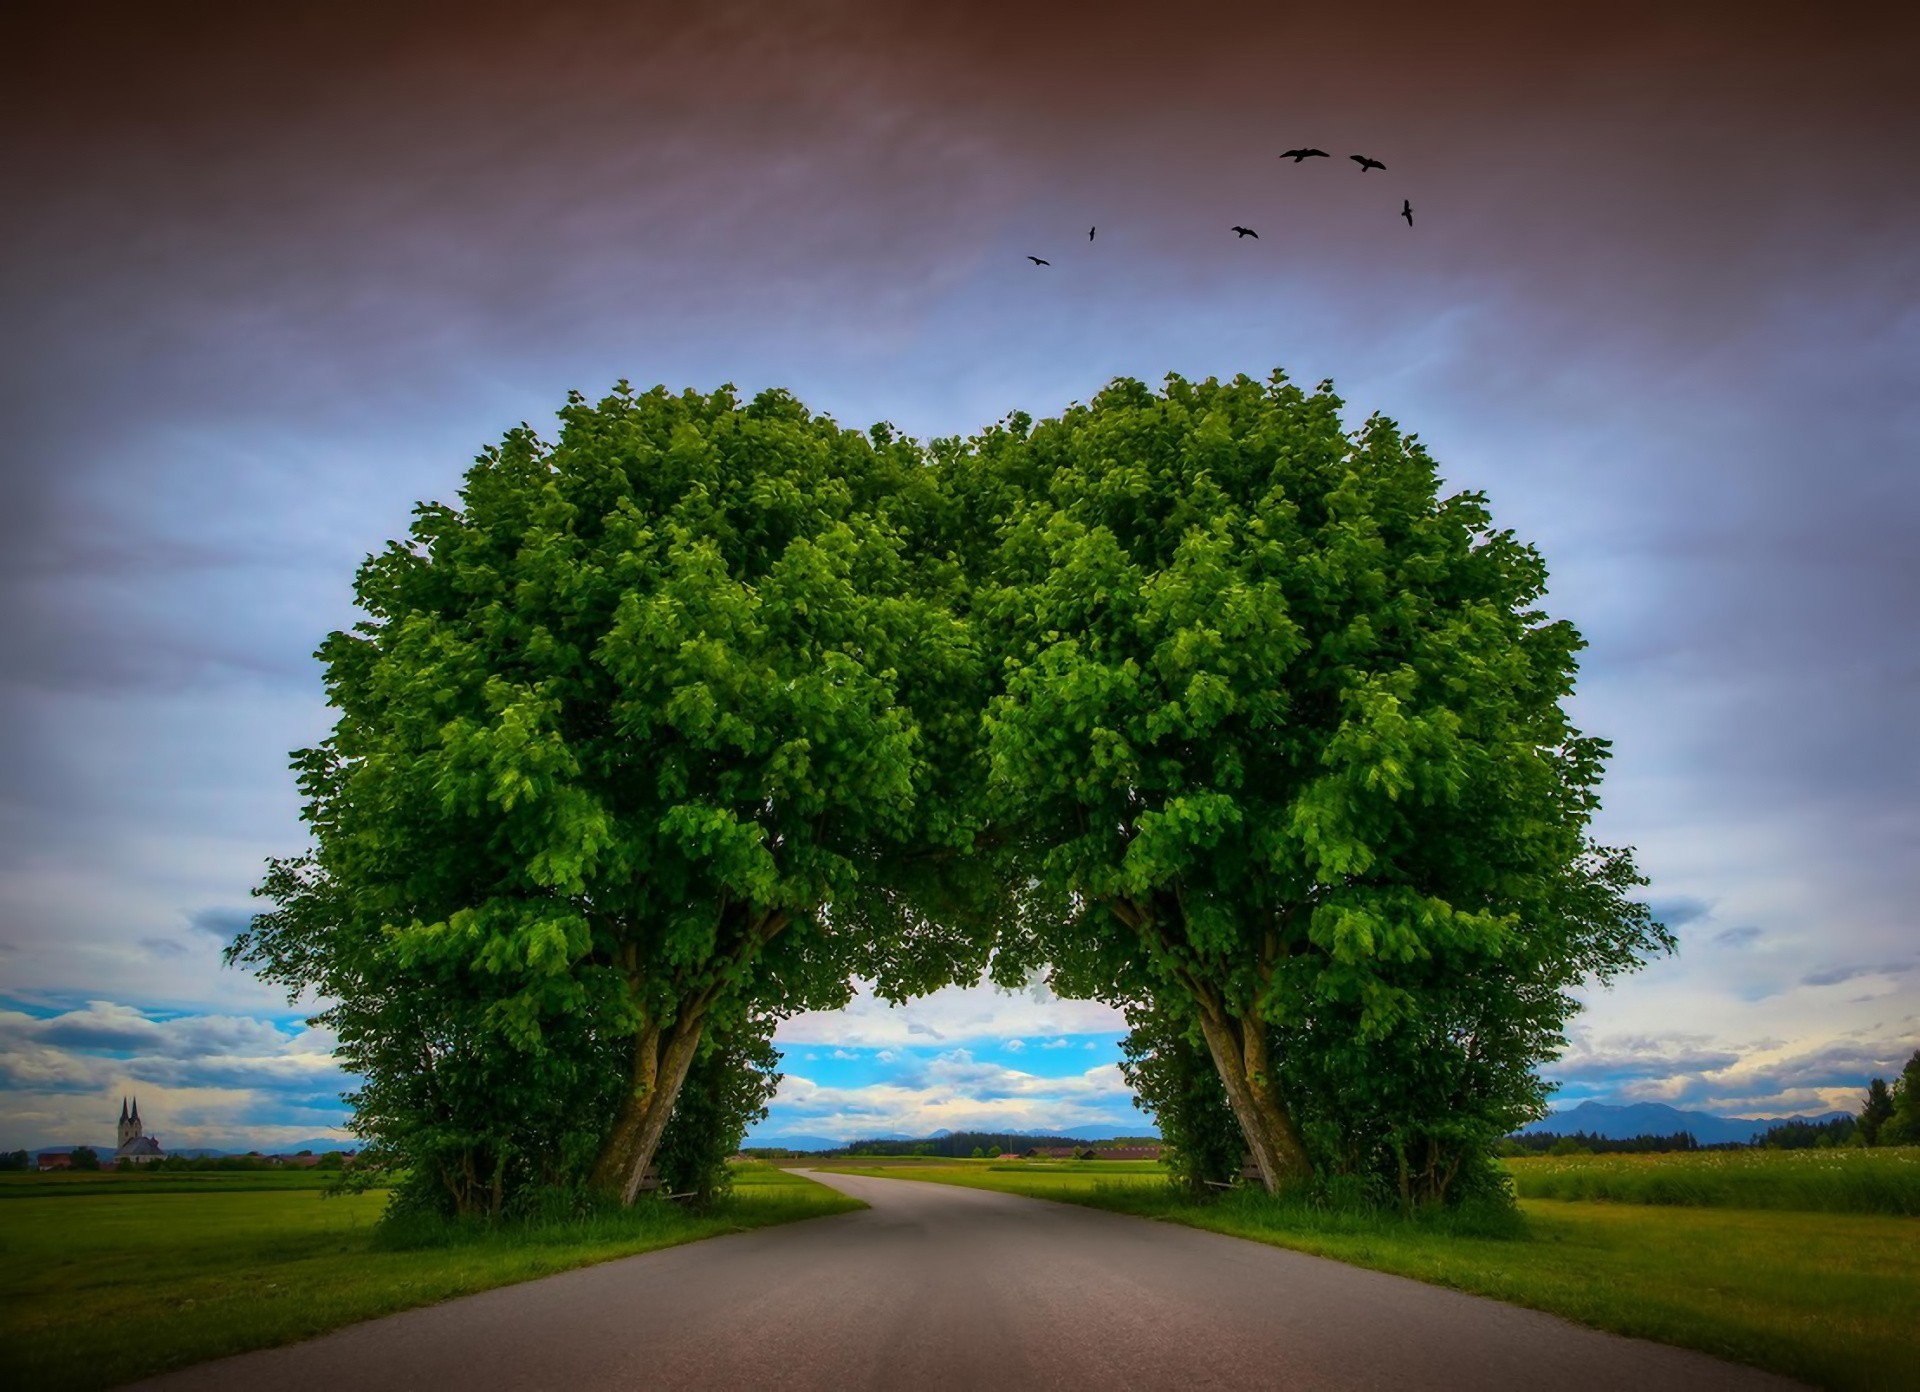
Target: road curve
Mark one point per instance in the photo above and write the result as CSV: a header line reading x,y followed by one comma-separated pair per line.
x,y
941,1287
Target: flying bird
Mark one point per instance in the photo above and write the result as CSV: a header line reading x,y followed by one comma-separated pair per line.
x,y
1297,155
1406,210
1365,163
1038,262
1247,232
1090,232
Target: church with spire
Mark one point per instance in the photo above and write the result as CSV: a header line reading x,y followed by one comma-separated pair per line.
x,y
135,1144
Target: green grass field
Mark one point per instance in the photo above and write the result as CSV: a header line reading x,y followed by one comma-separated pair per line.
x,y
65,1184
108,1278
1807,1181
1827,1296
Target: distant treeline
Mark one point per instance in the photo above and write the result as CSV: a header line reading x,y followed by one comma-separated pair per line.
x,y
1786,1135
1889,1115
956,1145
1585,1143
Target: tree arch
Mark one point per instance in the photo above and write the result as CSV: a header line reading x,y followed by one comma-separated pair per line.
x,y
680,721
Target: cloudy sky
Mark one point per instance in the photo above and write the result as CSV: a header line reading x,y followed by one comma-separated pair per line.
x,y
266,281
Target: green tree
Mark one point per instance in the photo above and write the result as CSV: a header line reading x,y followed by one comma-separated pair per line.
x,y
1166,1063
15,1160
1903,1126
1876,1110
660,724
727,1090
86,1158
1281,736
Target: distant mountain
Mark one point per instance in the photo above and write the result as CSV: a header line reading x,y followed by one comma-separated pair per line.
x,y
794,1142
1622,1123
319,1145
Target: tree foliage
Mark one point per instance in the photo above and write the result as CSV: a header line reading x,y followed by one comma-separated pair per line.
x,y
727,1090
1902,1126
1173,1079
1891,1115
1281,737
1876,1110
673,725
652,729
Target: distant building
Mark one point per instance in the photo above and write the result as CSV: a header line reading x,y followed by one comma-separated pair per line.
x,y
135,1145
55,1160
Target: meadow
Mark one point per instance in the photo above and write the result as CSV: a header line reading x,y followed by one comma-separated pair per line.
x,y
1763,1258
1885,1180
107,1278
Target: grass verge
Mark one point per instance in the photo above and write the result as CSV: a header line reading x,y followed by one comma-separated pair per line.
x,y
1833,1299
99,1288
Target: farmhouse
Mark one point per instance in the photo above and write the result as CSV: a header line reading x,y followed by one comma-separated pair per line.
x,y
55,1160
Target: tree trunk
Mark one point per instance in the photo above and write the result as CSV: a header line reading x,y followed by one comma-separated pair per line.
x,y
660,1062
1239,1049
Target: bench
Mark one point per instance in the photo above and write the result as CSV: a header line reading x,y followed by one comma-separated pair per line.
x,y
1249,1170
650,1183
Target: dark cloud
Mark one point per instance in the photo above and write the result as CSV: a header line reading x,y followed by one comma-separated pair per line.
x,y
1833,976
1674,1069
282,271
222,923
1678,912
105,1027
1647,1056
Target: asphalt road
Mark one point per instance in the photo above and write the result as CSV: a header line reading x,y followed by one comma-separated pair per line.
x,y
941,1287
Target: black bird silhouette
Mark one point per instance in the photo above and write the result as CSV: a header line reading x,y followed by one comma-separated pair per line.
x,y
1090,232
1365,163
1038,262
1406,210
1297,155
1246,232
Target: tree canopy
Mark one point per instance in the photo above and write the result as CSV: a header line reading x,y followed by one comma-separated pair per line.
x,y
631,740
1281,734
673,725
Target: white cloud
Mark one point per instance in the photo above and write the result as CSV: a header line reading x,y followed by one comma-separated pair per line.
x,y
220,1081
1763,1076
956,1092
952,1014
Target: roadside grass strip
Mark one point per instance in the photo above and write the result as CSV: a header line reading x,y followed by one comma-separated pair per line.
x,y
99,1288
1831,1298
